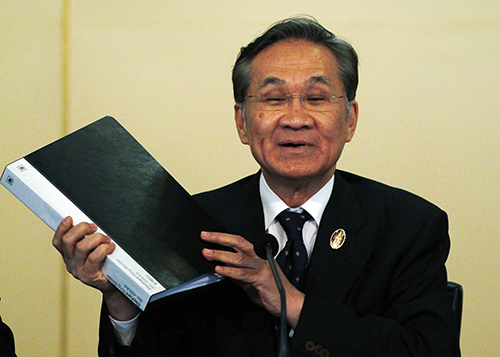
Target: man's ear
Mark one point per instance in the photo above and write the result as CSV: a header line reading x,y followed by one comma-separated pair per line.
x,y
240,123
352,120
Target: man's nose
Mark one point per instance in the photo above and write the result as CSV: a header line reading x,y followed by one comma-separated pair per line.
x,y
300,98
296,116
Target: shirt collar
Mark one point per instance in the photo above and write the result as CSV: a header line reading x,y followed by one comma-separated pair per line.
x,y
273,205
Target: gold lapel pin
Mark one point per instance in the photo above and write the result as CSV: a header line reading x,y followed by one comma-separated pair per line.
x,y
337,239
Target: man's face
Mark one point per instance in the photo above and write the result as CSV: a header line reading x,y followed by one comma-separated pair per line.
x,y
296,143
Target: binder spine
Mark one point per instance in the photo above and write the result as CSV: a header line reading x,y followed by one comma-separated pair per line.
x,y
34,191
46,201
130,278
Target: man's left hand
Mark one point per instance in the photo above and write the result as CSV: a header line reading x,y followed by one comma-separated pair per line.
x,y
253,274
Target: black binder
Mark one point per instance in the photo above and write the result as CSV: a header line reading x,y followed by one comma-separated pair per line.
x,y
103,171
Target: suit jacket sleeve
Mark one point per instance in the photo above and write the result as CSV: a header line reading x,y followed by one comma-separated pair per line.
x,y
152,339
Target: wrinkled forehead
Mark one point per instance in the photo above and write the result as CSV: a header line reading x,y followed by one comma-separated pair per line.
x,y
294,63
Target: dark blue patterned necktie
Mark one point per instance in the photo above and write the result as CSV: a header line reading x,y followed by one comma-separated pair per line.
x,y
293,258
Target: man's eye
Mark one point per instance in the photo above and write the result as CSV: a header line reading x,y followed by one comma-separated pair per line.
x,y
316,98
274,99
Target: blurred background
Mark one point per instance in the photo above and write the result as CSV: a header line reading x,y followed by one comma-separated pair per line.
x,y
429,123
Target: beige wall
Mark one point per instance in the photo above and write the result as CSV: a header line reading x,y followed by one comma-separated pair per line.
x,y
429,122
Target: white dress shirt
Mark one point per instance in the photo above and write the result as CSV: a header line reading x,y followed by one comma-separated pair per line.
x,y
315,206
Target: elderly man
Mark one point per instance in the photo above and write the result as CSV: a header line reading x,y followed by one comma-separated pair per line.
x,y
362,263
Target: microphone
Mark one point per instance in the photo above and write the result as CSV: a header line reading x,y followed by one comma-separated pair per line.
x,y
262,242
266,247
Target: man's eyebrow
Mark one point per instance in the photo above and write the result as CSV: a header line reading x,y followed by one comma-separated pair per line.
x,y
320,79
280,82
270,80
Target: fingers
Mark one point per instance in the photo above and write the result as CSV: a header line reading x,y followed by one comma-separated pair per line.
x,y
86,244
67,236
92,265
241,265
238,243
83,251
74,235
243,255
241,275
63,227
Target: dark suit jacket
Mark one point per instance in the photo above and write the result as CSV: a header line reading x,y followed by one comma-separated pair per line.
x,y
383,293
7,348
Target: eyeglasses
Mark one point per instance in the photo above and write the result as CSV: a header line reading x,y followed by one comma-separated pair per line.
x,y
315,102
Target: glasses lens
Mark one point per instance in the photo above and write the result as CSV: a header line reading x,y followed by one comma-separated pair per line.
x,y
271,102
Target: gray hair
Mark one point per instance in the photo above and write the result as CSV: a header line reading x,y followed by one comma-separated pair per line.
x,y
301,28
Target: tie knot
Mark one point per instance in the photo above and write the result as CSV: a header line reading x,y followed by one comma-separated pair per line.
x,y
292,222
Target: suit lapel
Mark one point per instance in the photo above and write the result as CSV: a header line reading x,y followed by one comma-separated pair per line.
x,y
333,271
244,214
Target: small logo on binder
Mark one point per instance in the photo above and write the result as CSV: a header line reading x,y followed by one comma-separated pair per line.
x,y
10,180
22,168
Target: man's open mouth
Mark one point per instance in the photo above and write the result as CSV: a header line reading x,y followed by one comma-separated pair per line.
x,y
293,145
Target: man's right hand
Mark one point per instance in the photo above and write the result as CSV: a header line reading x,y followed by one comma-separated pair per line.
x,y
84,252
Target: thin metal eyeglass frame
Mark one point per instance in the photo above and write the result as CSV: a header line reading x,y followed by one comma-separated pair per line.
x,y
289,101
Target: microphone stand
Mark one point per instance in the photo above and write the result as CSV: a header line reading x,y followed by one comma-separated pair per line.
x,y
283,338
